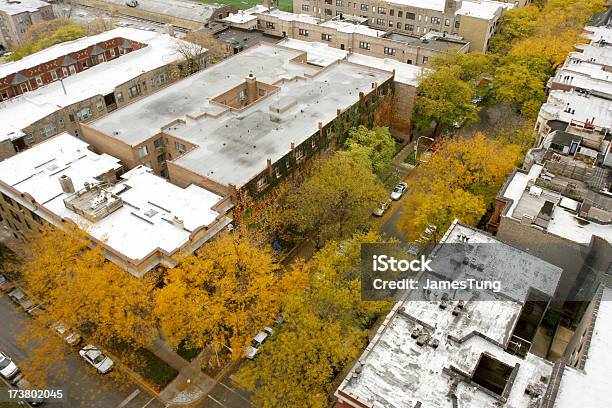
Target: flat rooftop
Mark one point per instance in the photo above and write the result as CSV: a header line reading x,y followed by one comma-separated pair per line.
x,y
22,6
595,378
234,146
395,371
150,203
183,9
578,107
585,75
482,9
563,220
431,41
322,54
100,79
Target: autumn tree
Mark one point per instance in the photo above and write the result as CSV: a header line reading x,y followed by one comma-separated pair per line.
x,y
516,24
334,201
221,296
444,99
324,331
471,66
46,33
376,146
459,181
74,284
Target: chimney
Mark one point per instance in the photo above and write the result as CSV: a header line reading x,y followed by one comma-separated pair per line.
x,y
169,29
269,165
177,222
251,88
66,183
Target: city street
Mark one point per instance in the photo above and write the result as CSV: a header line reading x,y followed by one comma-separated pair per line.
x,y
80,383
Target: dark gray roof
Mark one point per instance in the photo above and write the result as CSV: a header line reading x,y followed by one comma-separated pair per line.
x,y
556,125
601,19
19,78
562,138
97,50
68,60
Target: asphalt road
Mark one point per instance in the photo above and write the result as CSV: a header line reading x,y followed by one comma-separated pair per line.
x,y
80,383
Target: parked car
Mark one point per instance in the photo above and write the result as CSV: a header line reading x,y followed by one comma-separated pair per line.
x,y
131,3
382,208
399,191
70,337
8,369
94,356
5,283
477,100
36,311
258,340
24,384
18,296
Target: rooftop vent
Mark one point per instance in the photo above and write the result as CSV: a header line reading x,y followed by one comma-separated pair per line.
x,y
66,183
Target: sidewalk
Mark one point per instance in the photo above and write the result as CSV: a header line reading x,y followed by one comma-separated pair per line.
x,y
190,385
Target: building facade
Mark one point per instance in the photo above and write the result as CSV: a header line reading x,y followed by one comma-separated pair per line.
x,y
474,21
17,16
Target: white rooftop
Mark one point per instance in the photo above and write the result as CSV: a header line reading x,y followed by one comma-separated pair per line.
x,y
243,16
437,5
98,80
287,16
582,108
235,146
347,27
563,222
21,6
135,230
395,371
322,54
591,387
585,75
482,8
183,9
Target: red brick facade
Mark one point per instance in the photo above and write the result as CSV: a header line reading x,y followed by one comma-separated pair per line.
x,y
34,77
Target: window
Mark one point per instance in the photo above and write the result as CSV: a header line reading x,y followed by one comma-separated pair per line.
x,y
446,22
391,12
380,21
382,10
400,13
299,153
364,45
60,123
328,2
143,152
389,51
39,81
24,87
339,3
84,113
328,12
180,147
73,70
435,20
162,78
409,27
270,25
364,7
54,75
84,64
390,23
160,159
158,143
119,96
48,130
4,96
303,32
262,183
425,59
457,24
305,7
112,53
135,90
64,71
99,105
326,37
410,16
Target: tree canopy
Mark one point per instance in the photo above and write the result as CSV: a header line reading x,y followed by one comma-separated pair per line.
x,y
46,33
376,146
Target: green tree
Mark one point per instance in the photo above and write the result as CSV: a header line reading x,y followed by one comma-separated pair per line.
x,y
444,99
516,24
334,201
376,145
472,66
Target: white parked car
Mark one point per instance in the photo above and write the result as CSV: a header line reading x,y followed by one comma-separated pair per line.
x,y
382,208
399,191
8,369
94,356
253,349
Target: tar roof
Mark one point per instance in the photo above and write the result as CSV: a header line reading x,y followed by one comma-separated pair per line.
x,y
235,145
132,230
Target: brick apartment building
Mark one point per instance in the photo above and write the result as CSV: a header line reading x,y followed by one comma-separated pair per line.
x,y
142,221
61,61
16,16
352,34
245,123
474,21
82,80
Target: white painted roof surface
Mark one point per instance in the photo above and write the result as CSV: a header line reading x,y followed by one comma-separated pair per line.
x,y
346,27
517,186
591,387
482,9
235,146
37,171
21,6
98,80
584,108
437,5
187,10
395,372
585,75
323,55
287,16
244,16
567,225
